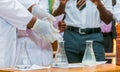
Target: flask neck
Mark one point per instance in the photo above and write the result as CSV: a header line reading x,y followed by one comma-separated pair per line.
x,y
61,44
89,43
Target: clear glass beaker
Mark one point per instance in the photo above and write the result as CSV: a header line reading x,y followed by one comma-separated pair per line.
x,y
60,59
89,57
23,60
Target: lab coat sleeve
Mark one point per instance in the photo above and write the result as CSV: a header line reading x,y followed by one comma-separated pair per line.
x,y
14,13
27,3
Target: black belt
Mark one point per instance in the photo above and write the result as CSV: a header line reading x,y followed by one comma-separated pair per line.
x,y
106,33
84,31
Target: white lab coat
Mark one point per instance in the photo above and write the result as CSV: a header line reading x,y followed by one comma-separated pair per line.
x,y
12,15
40,52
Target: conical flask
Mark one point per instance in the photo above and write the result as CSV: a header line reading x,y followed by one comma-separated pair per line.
x,y
23,59
60,59
89,57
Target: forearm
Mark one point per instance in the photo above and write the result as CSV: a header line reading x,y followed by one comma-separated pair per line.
x,y
32,22
59,10
105,15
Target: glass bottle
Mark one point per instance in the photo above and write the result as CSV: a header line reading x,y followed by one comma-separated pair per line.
x,y
23,59
60,59
89,57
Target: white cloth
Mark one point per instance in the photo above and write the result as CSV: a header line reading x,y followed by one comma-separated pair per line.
x,y
40,51
27,3
116,11
12,15
89,17
43,4
41,14
45,30
40,10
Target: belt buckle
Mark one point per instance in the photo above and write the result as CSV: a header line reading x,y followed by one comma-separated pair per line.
x,y
81,32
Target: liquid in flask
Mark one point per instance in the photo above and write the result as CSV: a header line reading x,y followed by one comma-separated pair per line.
x,y
23,59
60,59
89,57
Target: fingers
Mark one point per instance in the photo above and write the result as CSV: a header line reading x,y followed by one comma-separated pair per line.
x,y
61,23
62,26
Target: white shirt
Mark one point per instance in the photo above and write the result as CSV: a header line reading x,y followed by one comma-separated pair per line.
x,y
89,17
116,11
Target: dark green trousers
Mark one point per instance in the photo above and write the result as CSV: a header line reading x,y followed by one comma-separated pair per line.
x,y
75,45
